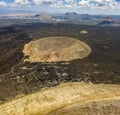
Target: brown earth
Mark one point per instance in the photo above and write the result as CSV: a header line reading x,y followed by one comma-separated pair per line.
x,y
54,49
68,99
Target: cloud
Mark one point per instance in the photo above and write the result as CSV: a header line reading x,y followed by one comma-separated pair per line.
x,y
103,3
2,3
66,3
41,2
97,6
21,2
84,3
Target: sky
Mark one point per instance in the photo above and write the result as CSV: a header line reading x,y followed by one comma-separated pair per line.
x,y
54,6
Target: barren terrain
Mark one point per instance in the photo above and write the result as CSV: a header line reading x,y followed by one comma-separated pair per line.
x,y
56,49
68,99
23,82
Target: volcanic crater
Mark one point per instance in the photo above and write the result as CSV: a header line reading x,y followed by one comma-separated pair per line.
x,y
54,49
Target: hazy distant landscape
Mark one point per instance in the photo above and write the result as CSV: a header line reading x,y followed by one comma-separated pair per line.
x,y
68,17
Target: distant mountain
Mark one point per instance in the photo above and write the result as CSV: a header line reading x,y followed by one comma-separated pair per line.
x,y
105,22
68,17
17,11
37,15
71,13
45,17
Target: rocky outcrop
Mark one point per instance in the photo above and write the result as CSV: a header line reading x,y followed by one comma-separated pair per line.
x,y
83,32
54,49
68,99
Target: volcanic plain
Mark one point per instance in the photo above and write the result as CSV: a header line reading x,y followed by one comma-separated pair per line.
x,y
97,73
